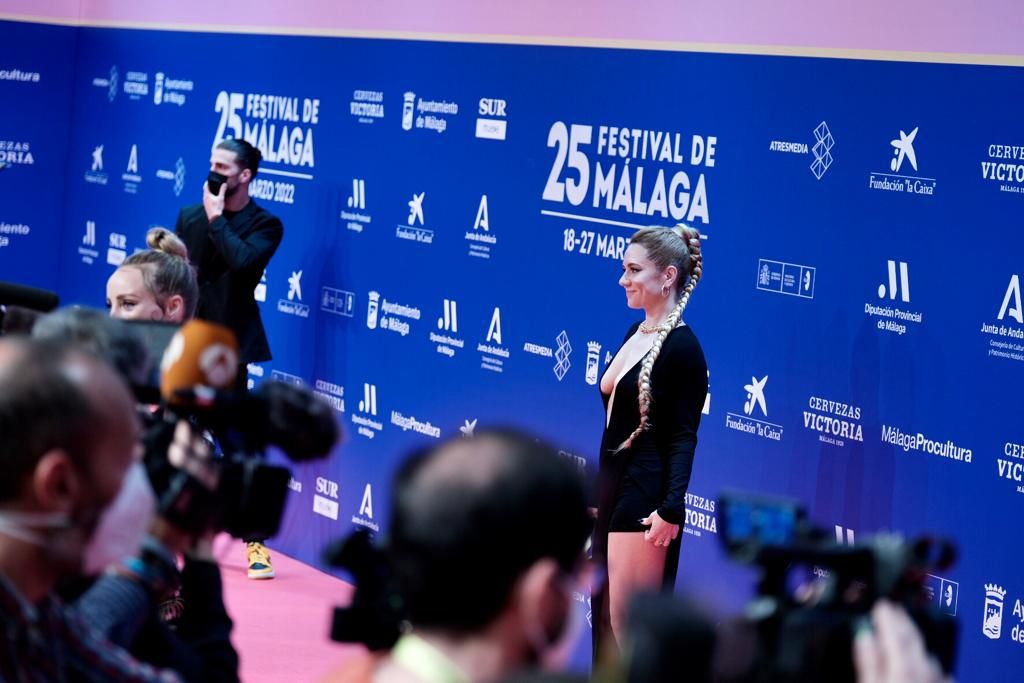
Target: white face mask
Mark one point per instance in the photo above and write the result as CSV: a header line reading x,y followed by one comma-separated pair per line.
x,y
119,533
123,524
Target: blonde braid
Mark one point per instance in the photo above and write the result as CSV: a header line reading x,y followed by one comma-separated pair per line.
x,y
692,239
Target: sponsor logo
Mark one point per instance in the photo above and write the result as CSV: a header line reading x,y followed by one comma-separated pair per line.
x,y
448,325
1006,334
427,114
836,423
1011,467
295,485
821,149
136,85
19,75
12,229
786,278
700,516
992,626
561,353
87,250
96,174
355,216
293,305
117,249
388,315
407,423
468,427
943,593
493,354
365,419
131,175
175,176
14,152
903,154
492,122
333,394
756,399
168,90
578,461
707,397
480,238
111,83
845,536
593,362
325,500
337,301
367,106
911,441
409,231
1005,168
259,293
281,126
891,317
365,516
287,378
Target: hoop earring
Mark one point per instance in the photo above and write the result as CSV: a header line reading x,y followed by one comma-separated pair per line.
x,y
664,291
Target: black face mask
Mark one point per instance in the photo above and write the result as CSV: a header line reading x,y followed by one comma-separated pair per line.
x,y
215,180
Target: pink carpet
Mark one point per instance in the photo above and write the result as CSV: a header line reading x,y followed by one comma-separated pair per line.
x,y
282,624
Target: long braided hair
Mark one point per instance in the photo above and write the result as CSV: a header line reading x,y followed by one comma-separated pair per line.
x,y
679,247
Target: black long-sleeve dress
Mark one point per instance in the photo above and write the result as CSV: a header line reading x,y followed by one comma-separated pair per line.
x,y
654,472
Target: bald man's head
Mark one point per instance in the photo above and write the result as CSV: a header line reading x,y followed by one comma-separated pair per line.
x,y
471,516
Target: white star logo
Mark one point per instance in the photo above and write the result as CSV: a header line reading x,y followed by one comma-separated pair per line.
x,y
755,395
295,285
467,428
416,209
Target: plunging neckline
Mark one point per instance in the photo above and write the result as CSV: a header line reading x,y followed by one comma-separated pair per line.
x,y
615,386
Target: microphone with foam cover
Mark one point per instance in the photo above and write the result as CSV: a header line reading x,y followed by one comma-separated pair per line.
x,y
201,356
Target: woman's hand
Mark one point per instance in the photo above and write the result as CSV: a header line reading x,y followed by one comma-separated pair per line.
x,y
661,532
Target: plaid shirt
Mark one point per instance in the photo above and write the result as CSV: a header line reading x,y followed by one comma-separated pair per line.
x,y
46,643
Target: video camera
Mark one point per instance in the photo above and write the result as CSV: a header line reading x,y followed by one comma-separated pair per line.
x,y
196,375
816,592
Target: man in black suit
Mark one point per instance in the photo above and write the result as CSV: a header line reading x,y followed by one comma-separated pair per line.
x,y
230,240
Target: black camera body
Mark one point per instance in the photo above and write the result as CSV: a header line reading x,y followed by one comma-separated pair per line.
x,y
815,593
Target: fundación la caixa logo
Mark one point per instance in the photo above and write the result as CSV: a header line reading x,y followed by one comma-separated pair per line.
x,y
293,304
414,230
756,402
95,174
899,179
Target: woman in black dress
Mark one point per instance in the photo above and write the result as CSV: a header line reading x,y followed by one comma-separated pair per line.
x,y
654,392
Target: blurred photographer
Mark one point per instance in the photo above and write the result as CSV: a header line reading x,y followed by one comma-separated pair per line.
x,y
123,603
486,546
71,491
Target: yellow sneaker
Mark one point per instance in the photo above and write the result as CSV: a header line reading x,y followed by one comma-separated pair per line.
x,y
259,561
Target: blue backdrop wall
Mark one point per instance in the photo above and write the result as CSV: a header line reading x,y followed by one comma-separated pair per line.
x,y
454,220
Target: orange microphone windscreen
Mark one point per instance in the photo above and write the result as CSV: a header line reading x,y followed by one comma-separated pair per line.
x,y
201,354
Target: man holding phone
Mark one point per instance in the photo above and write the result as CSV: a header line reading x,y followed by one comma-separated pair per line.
x,y
230,240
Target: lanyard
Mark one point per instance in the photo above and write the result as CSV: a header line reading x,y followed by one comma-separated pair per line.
x,y
426,661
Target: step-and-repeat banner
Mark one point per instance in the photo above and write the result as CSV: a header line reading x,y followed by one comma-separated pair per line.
x,y
455,217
